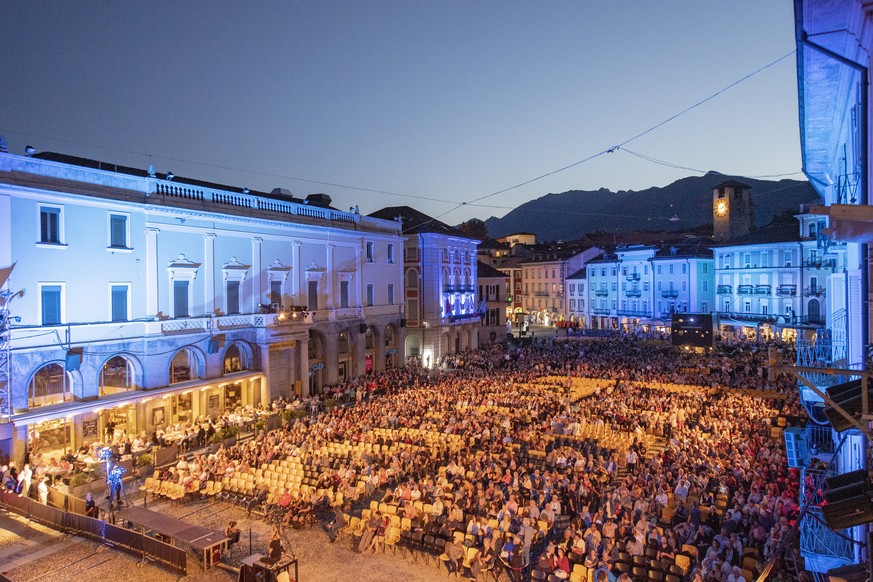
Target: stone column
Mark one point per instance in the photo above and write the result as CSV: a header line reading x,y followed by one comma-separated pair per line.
x,y
266,391
331,345
303,368
330,276
379,355
296,273
151,271
209,273
359,273
257,276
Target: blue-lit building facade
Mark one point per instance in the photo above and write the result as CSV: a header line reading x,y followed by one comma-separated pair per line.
x,y
440,272
151,299
834,44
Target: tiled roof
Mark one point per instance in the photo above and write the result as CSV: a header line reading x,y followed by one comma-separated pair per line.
x,y
416,222
487,271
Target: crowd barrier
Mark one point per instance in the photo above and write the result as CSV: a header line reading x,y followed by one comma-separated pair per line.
x,y
176,559
166,456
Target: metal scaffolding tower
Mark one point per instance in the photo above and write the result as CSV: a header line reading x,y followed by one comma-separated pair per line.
x,y
6,320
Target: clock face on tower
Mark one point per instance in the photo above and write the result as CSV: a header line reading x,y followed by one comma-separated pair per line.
x,y
721,208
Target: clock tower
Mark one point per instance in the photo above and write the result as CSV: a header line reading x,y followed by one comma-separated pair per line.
x,y
733,213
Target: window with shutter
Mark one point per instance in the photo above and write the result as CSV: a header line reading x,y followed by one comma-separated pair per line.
x,y
119,302
118,231
51,304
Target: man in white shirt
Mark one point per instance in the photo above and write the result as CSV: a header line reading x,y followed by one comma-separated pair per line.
x,y
24,479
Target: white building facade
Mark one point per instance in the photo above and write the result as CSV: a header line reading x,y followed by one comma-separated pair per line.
x,y
544,280
151,299
778,279
639,287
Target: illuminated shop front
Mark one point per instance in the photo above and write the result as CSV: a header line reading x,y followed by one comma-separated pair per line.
x,y
69,425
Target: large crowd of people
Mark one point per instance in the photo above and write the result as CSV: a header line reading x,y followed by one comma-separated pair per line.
x,y
491,452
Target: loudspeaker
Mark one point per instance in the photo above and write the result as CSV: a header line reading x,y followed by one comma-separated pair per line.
x,y
795,447
403,322
73,359
859,477
362,328
848,512
848,397
848,502
212,346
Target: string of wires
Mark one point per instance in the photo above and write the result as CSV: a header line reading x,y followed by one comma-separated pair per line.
x,y
474,201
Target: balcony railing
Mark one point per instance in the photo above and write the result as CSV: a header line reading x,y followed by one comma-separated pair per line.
x,y
602,310
762,289
824,264
813,291
816,538
724,289
670,293
462,317
540,293
633,276
743,316
786,290
634,313
746,289
225,198
601,292
633,293
458,289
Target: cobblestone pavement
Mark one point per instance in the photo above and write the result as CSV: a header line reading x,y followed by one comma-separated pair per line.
x,y
30,552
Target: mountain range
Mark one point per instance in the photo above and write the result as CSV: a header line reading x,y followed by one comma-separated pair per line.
x,y
683,205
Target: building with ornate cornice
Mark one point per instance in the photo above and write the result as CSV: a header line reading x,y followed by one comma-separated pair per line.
x,y
151,299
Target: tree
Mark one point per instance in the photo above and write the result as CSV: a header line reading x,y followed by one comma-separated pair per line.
x,y
474,228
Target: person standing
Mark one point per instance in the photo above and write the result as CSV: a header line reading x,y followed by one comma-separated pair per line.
x,y
24,480
90,506
42,490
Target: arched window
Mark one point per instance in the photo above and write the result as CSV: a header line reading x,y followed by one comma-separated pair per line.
x,y
234,359
412,279
343,342
389,336
116,376
49,386
183,367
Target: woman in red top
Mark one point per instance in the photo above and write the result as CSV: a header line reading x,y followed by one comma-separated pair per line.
x,y
562,564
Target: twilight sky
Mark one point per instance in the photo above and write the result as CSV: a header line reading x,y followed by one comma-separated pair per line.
x,y
447,100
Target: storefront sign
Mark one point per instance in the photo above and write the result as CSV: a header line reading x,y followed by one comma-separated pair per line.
x,y
391,352
318,366
283,345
